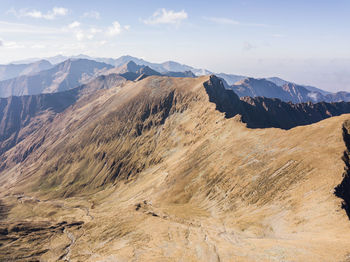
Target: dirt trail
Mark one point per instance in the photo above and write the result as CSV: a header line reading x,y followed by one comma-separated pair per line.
x,y
68,250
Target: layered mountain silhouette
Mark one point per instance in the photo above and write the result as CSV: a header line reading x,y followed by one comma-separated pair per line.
x,y
15,70
63,76
244,86
74,72
286,91
131,71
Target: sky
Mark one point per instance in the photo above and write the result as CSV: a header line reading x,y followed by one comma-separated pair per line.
x,y
307,42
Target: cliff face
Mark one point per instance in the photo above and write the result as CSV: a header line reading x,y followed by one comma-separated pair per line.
x,y
343,189
261,112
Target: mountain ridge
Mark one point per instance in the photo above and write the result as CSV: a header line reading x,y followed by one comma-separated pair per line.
x,y
163,160
14,70
63,76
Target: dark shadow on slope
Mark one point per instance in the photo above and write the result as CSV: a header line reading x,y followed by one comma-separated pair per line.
x,y
343,189
17,112
261,112
4,210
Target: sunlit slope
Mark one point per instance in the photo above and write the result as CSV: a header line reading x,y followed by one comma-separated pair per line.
x,y
152,171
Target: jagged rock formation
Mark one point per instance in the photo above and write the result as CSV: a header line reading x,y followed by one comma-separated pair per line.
x,y
260,112
153,171
343,189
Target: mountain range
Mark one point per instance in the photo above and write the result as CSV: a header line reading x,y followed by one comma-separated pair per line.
x,y
15,70
63,76
72,73
170,168
25,78
285,91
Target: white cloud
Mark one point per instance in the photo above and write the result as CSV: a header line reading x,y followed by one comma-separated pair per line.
x,y
12,45
163,16
80,35
127,27
75,24
92,14
50,15
38,46
94,30
1,43
229,21
12,28
115,29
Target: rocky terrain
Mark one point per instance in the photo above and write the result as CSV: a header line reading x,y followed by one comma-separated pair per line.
x,y
174,169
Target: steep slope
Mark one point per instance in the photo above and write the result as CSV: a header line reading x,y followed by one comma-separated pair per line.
x,y
314,94
16,113
15,70
21,116
260,87
261,112
230,78
152,171
337,97
281,82
175,67
179,74
132,71
64,76
286,91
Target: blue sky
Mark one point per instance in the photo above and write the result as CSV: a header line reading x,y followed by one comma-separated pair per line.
x,y
303,41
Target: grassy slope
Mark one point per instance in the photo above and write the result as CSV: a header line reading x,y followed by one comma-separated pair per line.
x,y
192,184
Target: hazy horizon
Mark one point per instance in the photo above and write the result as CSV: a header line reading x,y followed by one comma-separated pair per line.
x,y
303,42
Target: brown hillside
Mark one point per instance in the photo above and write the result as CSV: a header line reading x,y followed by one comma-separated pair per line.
x,y
156,170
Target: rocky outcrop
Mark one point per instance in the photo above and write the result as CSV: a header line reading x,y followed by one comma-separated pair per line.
x,y
261,112
343,189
